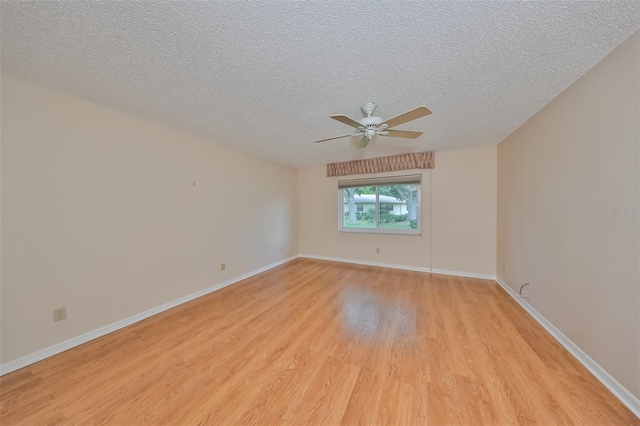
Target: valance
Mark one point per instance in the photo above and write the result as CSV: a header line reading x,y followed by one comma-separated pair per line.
x,y
415,160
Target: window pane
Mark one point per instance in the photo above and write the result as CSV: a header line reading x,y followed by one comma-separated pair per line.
x,y
394,210
359,207
399,206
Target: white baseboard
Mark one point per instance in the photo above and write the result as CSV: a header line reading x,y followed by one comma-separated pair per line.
x,y
403,267
464,274
32,358
366,263
626,397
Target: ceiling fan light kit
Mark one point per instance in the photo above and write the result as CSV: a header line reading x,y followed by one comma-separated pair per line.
x,y
370,126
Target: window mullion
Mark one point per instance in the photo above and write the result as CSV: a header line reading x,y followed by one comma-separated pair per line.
x,y
377,207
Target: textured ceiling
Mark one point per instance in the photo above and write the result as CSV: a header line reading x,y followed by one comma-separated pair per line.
x,y
264,77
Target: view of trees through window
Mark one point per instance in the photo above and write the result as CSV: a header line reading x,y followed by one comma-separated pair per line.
x,y
384,207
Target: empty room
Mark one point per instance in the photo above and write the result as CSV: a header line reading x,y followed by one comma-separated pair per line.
x,y
320,213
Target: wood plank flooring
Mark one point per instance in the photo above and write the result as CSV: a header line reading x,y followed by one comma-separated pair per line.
x,y
315,342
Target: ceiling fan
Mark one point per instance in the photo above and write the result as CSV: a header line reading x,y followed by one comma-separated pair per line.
x,y
371,126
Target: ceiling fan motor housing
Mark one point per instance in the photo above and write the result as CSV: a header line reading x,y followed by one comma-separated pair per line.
x,y
370,125
370,121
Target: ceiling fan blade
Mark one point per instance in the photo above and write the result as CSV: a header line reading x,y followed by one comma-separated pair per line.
x,y
402,134
338,137
363,142
421,111
346,120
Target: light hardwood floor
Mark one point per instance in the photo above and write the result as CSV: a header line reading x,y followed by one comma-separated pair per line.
x,y
315,342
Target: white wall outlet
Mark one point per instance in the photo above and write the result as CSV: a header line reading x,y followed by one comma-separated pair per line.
x,y
223,266
505,267
59,314
282,249
378,250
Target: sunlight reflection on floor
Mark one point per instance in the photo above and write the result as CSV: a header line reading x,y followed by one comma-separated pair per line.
x,y
367,316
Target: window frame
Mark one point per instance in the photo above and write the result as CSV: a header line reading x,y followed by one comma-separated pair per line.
x,y
377,182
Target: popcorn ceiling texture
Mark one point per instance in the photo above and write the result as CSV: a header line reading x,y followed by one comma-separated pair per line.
x,y
264,77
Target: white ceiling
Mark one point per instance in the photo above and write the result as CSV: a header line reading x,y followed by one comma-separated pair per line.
x,y
264,77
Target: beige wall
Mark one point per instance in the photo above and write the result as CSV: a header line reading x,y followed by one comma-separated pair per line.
x,y
99,209
557,176
463,199
459,194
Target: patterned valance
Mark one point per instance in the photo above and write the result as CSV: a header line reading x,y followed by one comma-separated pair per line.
x,y
416,160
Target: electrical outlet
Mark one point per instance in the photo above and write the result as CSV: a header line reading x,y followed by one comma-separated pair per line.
x,y
223,266
59,314
282,249
505,267
378,250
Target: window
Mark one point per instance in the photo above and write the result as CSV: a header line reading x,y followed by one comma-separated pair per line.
x,y
386,208
380,205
